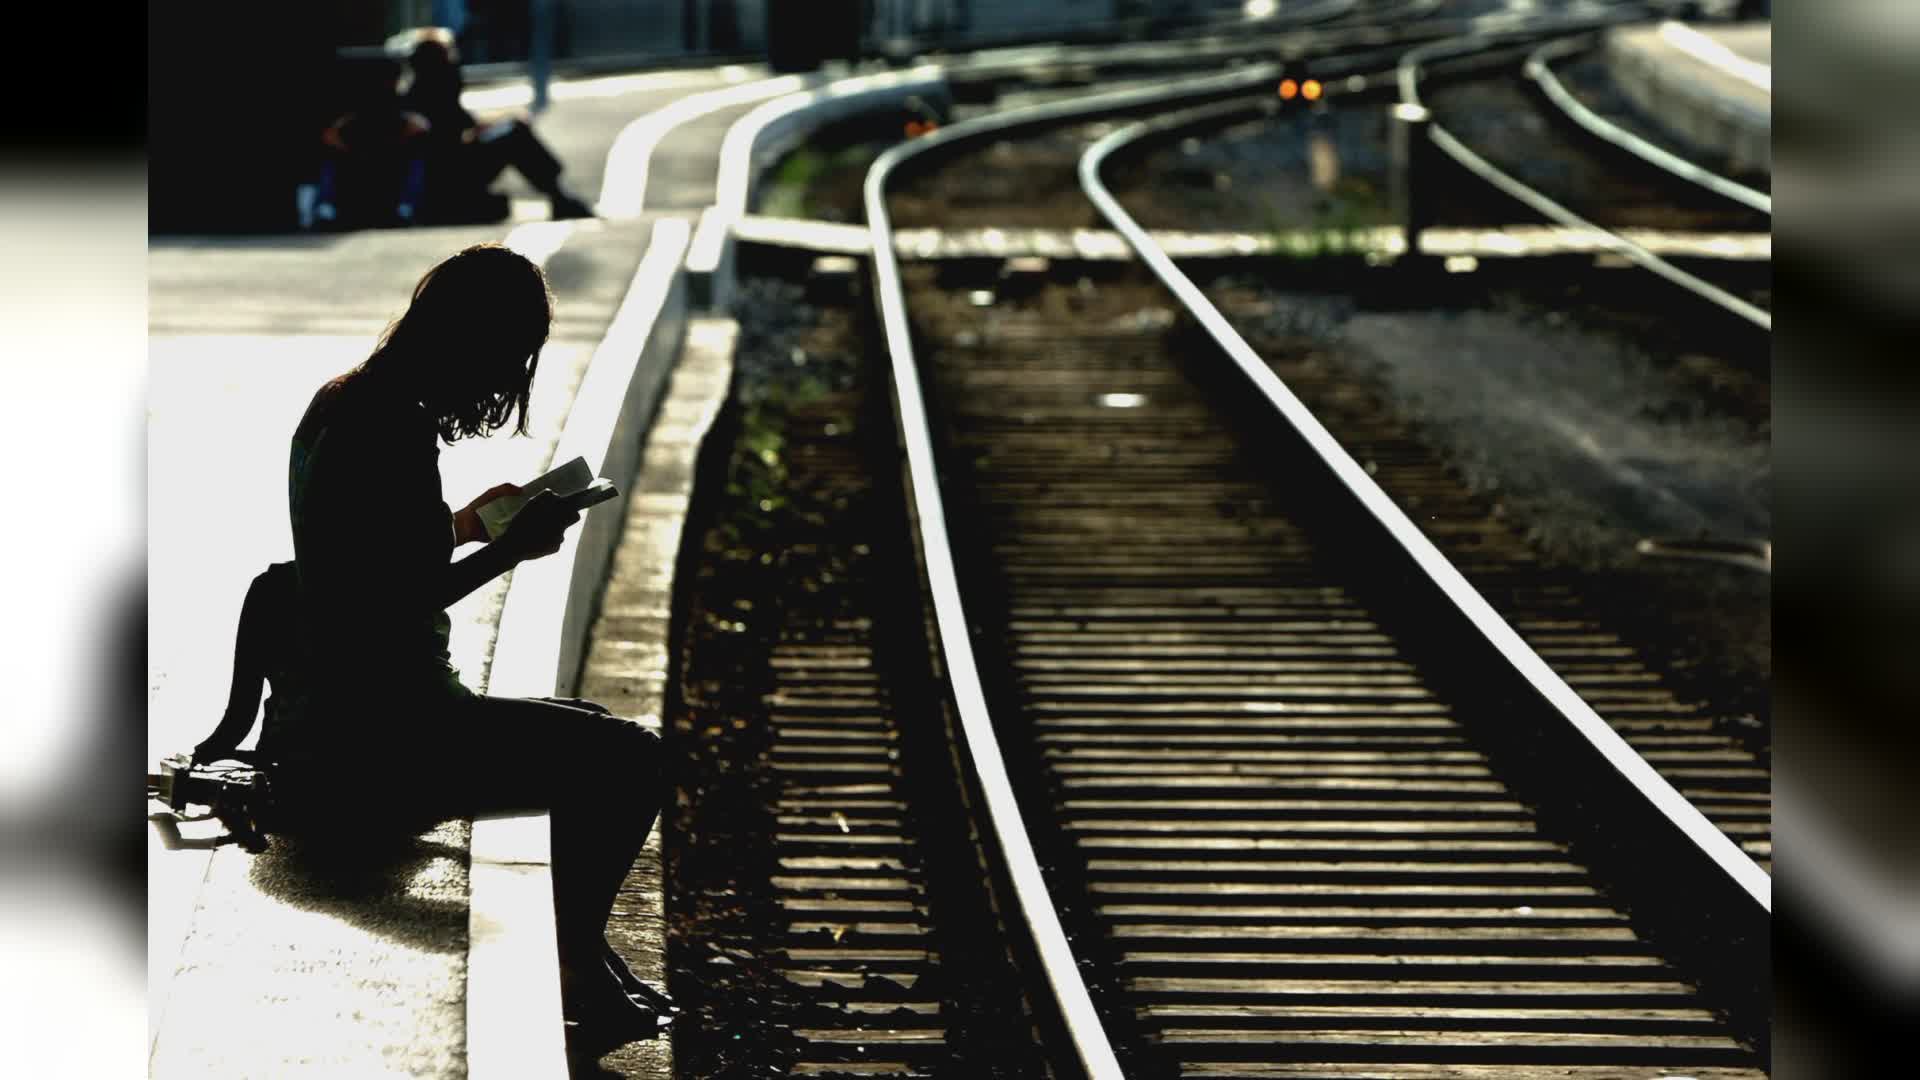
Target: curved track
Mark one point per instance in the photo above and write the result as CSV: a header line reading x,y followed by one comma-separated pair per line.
x,y
1263,787
1277,827
1411,73
1539,68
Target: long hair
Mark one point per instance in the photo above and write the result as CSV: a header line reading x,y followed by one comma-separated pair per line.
x,y
469,343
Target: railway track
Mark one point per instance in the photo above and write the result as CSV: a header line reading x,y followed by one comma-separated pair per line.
x,y
1244,802
1521,161
1501,117
1583,98
1288,844
1679,737
1102,509
830,920
826,919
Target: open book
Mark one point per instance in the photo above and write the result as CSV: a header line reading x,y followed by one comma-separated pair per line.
x,y
574,482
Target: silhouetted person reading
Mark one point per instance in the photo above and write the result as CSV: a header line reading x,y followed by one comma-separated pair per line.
x,y
375,571
463,154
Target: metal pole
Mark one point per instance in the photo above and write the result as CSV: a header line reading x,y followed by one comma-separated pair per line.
x,y
540,51
1412,149
451,14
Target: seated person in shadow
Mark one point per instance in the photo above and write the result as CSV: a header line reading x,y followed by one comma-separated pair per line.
x,y
463,154
373,720
374,158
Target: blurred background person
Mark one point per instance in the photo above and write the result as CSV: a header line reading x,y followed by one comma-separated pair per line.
x,y
373,164
464,155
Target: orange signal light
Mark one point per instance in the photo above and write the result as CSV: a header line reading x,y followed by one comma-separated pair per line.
x,y
1310,89
1289,89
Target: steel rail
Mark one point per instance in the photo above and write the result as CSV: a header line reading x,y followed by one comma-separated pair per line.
x,y
1539,68
1682,813
1091,1045
1410,69
1709,851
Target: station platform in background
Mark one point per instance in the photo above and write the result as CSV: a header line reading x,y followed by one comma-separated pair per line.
x,y
1711,83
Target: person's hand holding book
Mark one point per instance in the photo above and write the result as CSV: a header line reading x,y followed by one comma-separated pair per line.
x,y
573,483
539,527
467,526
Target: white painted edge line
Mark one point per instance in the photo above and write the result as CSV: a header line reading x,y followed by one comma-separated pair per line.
x,y
1036,907
1713,54
515,1030
1540,69
623,186
1739,866
514,1025
773,128
528,652
1409,77
520,95
539,241
615,404
710,236
758,134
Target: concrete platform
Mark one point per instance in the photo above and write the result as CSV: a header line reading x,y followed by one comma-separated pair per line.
x,y
1710,83
272,964
627,663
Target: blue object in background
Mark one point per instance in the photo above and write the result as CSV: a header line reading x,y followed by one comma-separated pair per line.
x,y
540,52
451,14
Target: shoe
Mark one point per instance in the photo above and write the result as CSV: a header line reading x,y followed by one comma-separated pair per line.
x,y
651,998
638,990
605,1023
566,206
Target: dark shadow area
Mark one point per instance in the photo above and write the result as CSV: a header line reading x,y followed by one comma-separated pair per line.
x,y
234,111
369,882
239,116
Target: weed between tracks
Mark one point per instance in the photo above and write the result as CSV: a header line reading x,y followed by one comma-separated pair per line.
x,y
751,539
798,613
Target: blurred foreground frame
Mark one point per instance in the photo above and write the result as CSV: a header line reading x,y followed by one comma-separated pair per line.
x,y
1847,599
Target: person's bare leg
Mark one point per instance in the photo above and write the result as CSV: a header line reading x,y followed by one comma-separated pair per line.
x,y
621,789
599,776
